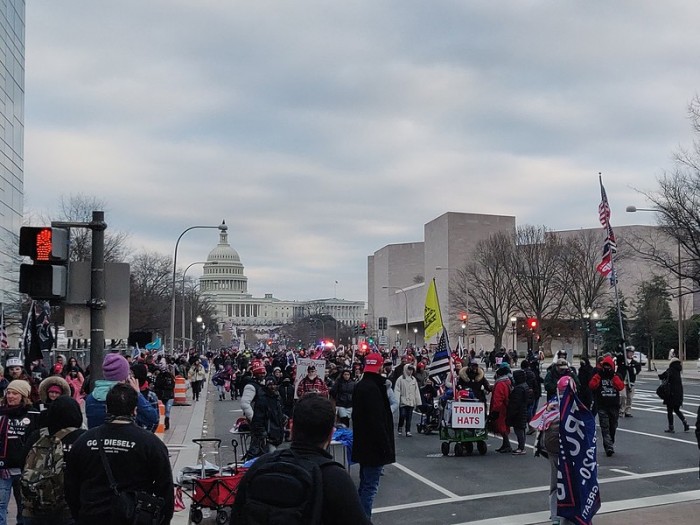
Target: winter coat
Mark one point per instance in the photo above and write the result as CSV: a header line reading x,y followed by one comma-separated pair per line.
x,y
21,421
499,405
585,373
197,373
164,386
76,383
372,423
553,376
606,389
478,384
673,376
342,392
407,391
516,413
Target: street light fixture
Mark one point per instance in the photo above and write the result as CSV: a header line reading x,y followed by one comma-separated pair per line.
x,y
221,227
415,336
405,295
397,338
681,338
513,320
586,315
464,325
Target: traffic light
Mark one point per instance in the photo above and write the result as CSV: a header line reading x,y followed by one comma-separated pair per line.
x,y
355,330
363,327
463,317
532,324
45,246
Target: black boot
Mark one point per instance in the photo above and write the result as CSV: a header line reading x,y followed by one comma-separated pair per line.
x,y
167,423
686,426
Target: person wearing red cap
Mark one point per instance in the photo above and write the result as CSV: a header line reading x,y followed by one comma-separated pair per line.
x,y
257,406
606,386
373,434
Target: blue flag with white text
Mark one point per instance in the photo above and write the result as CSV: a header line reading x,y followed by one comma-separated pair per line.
x,y
578,493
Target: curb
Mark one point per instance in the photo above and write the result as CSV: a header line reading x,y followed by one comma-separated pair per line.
x,y
188,455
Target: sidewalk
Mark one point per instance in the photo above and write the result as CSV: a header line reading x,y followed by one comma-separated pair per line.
x,y
691,369
186,424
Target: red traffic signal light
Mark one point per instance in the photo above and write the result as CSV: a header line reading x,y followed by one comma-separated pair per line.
x,y
44,244
532,323
464,317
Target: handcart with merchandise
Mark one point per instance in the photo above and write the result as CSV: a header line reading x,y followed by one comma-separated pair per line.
x,y
463,423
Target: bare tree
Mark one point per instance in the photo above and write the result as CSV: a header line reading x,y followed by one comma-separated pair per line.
x,y
151,275
583,286
677,201
536,262
483,287
78,208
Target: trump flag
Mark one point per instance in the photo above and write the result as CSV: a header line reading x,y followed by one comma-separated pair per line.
x,y
578,493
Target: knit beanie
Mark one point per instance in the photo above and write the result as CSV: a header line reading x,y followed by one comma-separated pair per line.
x,y
115,367
20,386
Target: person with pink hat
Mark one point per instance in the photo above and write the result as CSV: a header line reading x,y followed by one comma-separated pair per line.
x,y
115,369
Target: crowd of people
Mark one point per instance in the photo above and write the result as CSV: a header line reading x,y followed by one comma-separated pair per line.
x,y
56,426
108,424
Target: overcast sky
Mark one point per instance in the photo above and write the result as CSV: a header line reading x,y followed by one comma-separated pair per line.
x,y
322,131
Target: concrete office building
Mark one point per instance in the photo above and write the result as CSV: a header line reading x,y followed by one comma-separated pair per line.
x,y
12,22
398,275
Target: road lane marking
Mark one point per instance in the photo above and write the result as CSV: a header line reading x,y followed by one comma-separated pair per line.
x,y
515,492
606,508
420,478
621,471
669,438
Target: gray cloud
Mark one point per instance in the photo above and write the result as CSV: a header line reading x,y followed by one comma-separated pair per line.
x,y
323,131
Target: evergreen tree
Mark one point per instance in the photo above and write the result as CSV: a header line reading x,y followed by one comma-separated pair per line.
x,y
652,330
612,338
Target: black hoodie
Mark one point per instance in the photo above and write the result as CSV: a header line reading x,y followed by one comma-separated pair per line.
x,y
64,412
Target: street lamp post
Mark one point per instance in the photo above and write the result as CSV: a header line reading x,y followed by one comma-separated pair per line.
x,y
397,338
681,338
464,326
405,295
586,315
183,296
415,337
513,320
221,227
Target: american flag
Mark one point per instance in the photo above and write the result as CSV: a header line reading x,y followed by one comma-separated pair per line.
x,y
610,244
4,344
441,359
603,207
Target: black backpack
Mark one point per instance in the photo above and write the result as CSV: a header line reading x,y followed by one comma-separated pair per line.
x,y
282,488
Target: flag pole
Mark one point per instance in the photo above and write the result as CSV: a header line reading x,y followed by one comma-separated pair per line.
x,y
614,282
23,351
447,339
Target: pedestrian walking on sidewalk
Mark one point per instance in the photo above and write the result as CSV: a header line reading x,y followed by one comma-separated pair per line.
x,y
408,396
674,401
196,375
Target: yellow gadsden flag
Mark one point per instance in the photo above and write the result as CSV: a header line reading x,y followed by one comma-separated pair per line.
x,y
432,321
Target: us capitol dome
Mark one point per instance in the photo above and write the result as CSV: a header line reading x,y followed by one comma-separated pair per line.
x,y
225,284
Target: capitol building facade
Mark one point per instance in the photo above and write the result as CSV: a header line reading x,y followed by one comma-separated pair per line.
x,y
225,285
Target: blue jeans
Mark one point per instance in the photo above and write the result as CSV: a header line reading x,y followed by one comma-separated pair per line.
x,y
369,485
6,486
168,406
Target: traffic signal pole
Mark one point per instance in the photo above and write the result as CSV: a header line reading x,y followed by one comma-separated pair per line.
x,y
97,289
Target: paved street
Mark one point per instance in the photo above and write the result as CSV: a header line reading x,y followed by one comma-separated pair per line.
x,y
649,468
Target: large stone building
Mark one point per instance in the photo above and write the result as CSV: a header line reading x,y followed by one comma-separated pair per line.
x,y
225,284
12,14
398,274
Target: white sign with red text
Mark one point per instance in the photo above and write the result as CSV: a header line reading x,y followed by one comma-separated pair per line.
x,y
468,415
